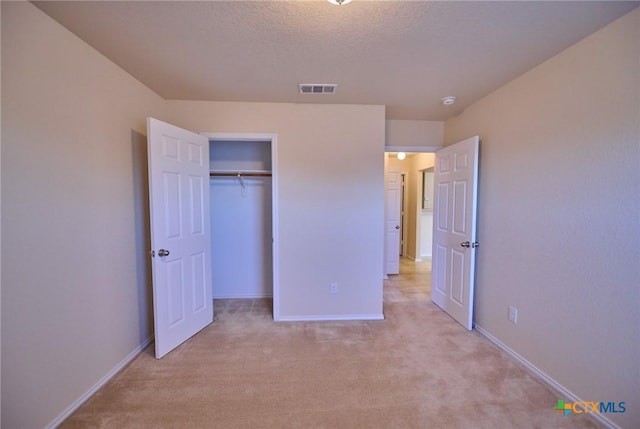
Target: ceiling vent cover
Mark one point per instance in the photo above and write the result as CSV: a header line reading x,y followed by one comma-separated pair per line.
x,y
318,88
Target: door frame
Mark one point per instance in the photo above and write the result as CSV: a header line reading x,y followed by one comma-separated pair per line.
x,y
406,149
273,138
403,213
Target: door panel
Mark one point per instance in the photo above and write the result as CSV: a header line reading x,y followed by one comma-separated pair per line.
x,y
175,288
171,200
198,270
439,270
457,277
442,202
178,174
454,232
196,198
460,207
392,224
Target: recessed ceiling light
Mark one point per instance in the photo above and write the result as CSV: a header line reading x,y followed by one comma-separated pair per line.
x,y
401,155
449,100
339,2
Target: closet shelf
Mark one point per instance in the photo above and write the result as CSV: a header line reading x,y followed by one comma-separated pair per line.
x,y
244,173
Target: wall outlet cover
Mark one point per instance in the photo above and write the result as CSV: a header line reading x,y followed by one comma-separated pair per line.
x,y
334,288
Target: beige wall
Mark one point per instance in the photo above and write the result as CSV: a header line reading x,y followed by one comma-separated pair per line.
x,y
559,211
403,135
75,283
0,228
330,193
418,219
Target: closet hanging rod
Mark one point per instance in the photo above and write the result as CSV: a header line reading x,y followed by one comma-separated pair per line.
x,y
239,173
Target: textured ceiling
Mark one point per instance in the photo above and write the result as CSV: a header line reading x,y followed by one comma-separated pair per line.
x,y
406,55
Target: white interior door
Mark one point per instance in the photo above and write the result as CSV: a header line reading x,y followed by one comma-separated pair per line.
x,y
392,222
454,229
180,233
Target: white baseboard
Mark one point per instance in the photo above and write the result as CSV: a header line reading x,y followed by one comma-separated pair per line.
x,y
62,417
330,318
419,258
563,391
248,296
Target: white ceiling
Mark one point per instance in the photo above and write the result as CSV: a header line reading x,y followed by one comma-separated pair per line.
x,y
406,55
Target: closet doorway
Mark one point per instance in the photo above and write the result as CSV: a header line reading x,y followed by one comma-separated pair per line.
x,y
243,216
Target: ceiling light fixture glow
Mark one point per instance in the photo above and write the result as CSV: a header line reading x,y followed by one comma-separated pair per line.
x,y
339,2
449,100
401,155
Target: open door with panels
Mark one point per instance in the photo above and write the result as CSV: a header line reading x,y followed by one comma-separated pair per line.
x,y
454,229
180,233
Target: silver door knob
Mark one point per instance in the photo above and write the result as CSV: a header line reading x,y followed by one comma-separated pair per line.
x,y
397,226
465,244
163,252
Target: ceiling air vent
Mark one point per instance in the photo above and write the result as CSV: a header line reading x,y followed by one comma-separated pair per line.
x,y
318,88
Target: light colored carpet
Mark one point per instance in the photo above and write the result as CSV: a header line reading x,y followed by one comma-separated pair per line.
x,y
416,369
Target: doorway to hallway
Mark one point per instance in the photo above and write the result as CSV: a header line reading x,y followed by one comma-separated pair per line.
x,y
408,218
412,284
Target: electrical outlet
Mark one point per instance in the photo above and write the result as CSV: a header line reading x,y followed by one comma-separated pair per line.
x,y
334,288
513,315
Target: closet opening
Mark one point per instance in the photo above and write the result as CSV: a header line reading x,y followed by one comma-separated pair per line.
x,y
243,217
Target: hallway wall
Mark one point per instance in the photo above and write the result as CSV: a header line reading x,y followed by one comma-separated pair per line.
x,y
422,220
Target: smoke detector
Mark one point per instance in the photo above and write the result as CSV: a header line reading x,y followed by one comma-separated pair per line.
x,y
449,100
317,88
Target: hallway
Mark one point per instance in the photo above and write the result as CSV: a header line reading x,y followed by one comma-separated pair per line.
x,y
412,284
